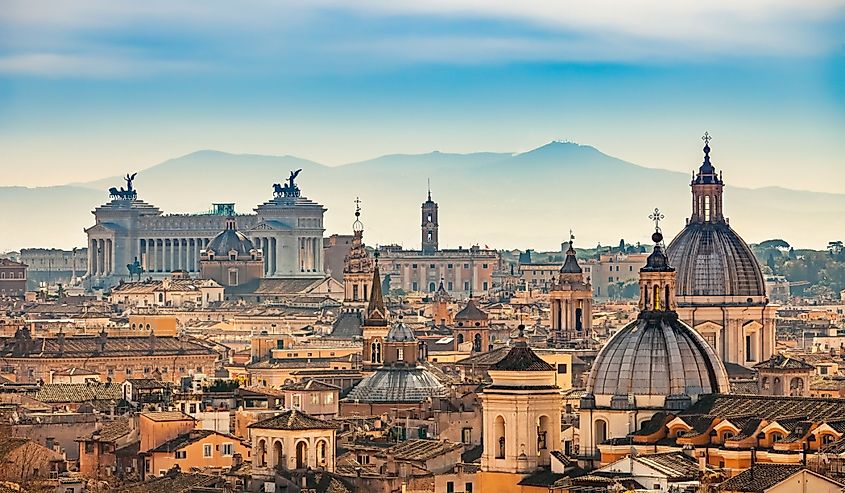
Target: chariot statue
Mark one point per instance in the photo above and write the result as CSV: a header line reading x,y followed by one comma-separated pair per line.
x,y
127,193
289,189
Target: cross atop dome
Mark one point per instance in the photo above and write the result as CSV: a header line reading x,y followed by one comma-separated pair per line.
x,y
357,226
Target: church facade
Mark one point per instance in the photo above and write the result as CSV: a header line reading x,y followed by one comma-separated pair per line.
x,y
128,232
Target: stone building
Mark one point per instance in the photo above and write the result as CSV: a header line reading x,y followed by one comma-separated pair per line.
x,y
375,328
27,359
357,266
464,271
472,324
781,375
53,265
288,229
292,440
720,288
521,418
12,278
657,363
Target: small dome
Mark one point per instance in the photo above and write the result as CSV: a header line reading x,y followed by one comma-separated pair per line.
x,y
400,333
712,260
230,239
657,355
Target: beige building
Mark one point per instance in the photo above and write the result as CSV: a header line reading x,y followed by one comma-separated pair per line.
x,y
167,292
463,271
521,419
292,440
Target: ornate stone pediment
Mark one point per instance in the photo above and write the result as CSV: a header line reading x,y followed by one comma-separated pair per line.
x,y
103,229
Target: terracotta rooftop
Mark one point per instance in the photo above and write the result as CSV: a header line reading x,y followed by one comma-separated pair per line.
x,y
310,384
521,358
421,449
677,466
114,430
173,483
293,420
78,392
167,416
760,477
782,362
471,312
767,407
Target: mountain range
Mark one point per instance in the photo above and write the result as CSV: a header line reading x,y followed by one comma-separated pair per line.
x,y
524,200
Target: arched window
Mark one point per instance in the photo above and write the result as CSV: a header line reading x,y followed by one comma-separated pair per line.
x,y
460,338
431,287
579,323
776,437
278,454
499,431
542,432
656,298
261,453
666,298
476,343
600,431
301,455
373,352
706,207
322,453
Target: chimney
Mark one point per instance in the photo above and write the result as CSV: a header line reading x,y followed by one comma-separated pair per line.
x,y
101,341
60,337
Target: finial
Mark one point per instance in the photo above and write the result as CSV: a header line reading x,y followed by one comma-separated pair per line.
x,y
706,138
429,189
656,216
357,207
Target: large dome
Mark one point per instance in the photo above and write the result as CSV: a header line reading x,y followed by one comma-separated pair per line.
x,y
712,260
657,355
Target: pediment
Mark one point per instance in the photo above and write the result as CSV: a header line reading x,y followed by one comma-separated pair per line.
x,y
708,327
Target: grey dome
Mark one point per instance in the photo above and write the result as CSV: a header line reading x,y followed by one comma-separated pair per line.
x,y
400,333
656,355
398,385
228,240
712,260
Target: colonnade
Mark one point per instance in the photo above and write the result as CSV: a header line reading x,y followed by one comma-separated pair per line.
x,y
101,257
169,254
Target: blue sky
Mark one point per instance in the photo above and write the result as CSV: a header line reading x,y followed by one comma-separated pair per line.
x,y
93,87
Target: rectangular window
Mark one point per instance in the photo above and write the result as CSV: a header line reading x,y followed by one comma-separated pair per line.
x,y
430,266
466,285
484,286
228,449
466,435
207,450
483,266
450,487
413,266
181,454
315,398
466,266
296,401
449,266
400,353
414,286
451,287
468,488
561,368
329,398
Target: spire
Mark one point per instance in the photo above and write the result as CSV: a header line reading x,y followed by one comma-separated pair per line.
x,y
707,172
657,261
429,189
357,226
376,312
570,265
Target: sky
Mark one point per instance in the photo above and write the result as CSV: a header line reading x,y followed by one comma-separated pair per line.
x,y
91,88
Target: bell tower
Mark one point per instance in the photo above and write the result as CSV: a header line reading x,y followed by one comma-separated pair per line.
x,y
571,298
357,266
375,327
429,225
